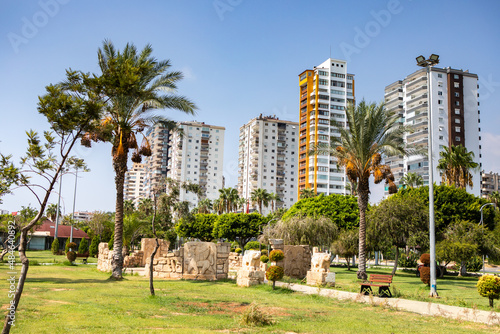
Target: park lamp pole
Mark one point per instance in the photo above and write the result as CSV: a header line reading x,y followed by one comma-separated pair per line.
x,y
74,202
481,222
428,63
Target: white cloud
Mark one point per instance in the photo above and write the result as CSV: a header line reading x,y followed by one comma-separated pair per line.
x,y
490,151
188,73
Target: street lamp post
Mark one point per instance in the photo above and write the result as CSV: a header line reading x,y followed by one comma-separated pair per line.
x,y
58,205
481,222
428,63
74,202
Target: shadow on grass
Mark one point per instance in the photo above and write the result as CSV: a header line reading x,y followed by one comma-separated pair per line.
x,y
56,280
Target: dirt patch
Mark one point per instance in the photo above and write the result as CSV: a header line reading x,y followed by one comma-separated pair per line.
x,y
61,289
178,313
57,302
4,307
157,316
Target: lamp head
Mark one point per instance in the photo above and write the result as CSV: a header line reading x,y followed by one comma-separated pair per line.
x,y
434,58
421,61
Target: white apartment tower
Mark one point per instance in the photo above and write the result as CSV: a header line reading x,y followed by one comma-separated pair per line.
x,y
450,98
268,159
133,188
155,166
197,156
325,93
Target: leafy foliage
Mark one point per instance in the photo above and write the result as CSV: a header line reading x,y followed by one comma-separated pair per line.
x,y
425,275
94,246
341,210
253,316
409,261
201,227
347,245
71,255
456,163
254,245
264,259
425,259
241,227
82,247
489,286
276,255
274,273
54,247
296,230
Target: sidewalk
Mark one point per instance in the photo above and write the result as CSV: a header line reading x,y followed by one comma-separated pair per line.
x,y
423,308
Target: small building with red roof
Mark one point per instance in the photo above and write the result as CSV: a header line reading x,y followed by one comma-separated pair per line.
x,y
43,236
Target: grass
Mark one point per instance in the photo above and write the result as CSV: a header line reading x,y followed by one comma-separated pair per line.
x,y
46,256
60,299
452,290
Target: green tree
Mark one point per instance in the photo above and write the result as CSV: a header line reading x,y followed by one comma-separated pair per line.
x,y
341,210
204,206
412,180
275,199
398,221
128,207
51,212
201,227
307,193
260,197
494,197
99,221
134,84
347,245
372,131
229,196
145,206
240,227
94,246
54,247
9,175
489,286
297,230
83,246
456,164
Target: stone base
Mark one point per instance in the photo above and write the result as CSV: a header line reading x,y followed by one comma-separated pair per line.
x,y
316,278
250,277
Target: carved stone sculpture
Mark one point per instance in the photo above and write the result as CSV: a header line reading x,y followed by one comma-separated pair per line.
x,y
251,260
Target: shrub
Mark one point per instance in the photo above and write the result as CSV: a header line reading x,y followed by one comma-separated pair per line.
x,y
264,259
111,242
263,252
253,245
253,316
82,248
66,246
425,259
425,275
94,247
71,256
409,261
55,246
238,250
474,265
276,255
489,286
71,245
274,273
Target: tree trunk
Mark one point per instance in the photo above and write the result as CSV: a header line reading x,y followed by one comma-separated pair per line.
x,y
491,302
274,285
347,261
396,262
151,286
363,190
120,166
463,269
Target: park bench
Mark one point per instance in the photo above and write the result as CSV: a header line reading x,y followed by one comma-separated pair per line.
x,y
85,256
382,281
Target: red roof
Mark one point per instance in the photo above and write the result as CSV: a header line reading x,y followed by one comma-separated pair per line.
x,y
63,231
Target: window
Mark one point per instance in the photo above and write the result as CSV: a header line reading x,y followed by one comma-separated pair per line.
x,y
457,94
457,111
323,82
440,75
457,129
457,138
440,101
456,84
440,84
440,93
457,103
457,120
455,76
441,137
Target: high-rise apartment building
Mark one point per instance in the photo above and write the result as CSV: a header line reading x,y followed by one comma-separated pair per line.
x,y
268,159
452,96
325,93
133,187
155,166
490,182
197,156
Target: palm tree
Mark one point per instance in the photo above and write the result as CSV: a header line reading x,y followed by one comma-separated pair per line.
x,y
242,203
307,193
146,206
230,197
51,212
218,205
372,131
260,197
456,163
134,85
351,188
494,197
128,207
204,206
411,180
274,198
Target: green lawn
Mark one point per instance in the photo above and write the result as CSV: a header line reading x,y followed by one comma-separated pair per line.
x,y
46,256
62,299
452,290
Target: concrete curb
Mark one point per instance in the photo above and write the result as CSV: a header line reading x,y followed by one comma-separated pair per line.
x,y
423,308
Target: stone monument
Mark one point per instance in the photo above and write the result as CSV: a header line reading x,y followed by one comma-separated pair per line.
x,y
320,269
250,272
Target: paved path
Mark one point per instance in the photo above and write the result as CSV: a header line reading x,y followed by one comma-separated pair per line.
x,y
424,308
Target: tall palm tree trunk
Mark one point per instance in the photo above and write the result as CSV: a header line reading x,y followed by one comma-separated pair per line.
x,y
120,166
363,193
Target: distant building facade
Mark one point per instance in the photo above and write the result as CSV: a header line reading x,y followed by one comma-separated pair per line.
x,y
490,182
133,188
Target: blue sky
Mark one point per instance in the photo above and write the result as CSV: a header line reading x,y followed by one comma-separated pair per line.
x,y
240,58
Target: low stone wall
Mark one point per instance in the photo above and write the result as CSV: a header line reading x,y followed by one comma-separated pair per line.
x,y
234,261
297,259
104,257
195,260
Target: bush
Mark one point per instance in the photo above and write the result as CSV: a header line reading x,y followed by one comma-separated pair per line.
x,y
489,286
263,252
274,273
66,246
409,261
253,316
94,247
82,248
425,275
474,265
55,246
264,259
276,255
111,242
425,259
254,245
71,256
72,246
238,250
